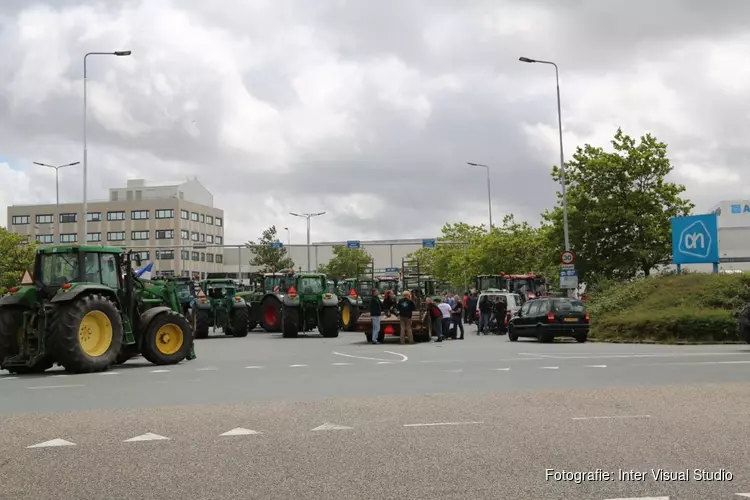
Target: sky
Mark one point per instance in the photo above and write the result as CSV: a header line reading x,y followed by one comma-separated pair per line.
x,y
367,110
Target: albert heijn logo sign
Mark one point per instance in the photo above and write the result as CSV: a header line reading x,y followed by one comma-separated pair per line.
x,y
740,209
695,239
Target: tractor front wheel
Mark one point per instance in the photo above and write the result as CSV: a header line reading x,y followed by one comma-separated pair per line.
x,y
328,325
89,334
240,320
11,338
167,339
201,320
290,322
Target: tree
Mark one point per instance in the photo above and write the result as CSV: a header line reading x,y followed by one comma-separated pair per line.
x,y
346,261
16,256
619,208
269,259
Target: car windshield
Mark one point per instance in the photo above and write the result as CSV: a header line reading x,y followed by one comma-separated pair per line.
x,y
59,268
575,306
310,285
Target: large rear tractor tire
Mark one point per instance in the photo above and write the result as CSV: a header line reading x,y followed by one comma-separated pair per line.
x,y
201,320
271,315
89,334
167,339
349,316
329,324
290,322
240,321
11,337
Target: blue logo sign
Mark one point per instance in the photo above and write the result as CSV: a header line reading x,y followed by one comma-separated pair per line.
x,y
428,243
391,269
276,244
695,239
352,244
568,272
740,209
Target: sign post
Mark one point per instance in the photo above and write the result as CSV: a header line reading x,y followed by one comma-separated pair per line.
x,y
695,240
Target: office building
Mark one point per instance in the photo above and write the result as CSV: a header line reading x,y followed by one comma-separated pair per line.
x,y
155,219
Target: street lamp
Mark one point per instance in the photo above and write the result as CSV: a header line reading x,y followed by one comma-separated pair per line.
x,y
118,53
562,156
288,236
308,217
57,191
489,196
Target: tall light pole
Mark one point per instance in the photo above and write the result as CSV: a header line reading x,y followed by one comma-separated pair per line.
x,y
489,196
562,156
57,193
288,236
308,217
118,53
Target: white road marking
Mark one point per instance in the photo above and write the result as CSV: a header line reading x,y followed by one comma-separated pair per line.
x,y
53,442
9,378
61,375
239,431
159,371
500,369
403,356
611,417
640,498
296,366
701,363
331,427
442,361
55,386
536,355
207,369
459,370
385,362
442,423
253,367
665,355
108,373
746,495
596,366
146,437
341,364
373,359
549,367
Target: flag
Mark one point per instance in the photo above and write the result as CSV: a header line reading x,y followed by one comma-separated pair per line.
x,y
145,272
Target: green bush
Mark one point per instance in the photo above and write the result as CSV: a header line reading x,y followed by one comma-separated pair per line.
x,y
673,308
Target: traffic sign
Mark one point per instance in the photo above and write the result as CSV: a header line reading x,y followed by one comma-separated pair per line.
x,y
276,244
352,244
567,266
569,278
391,269
695,239
429,243
26,279
568,257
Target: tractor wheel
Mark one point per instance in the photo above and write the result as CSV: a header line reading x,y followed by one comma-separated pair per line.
x,y
201,320
290,322
167,339
89,334
251,323
328,325
239,323
270,315
11,337
349,316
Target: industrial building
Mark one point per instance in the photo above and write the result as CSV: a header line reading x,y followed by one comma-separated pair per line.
x,y
155,217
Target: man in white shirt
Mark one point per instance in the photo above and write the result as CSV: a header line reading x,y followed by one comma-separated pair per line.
x,y
446,309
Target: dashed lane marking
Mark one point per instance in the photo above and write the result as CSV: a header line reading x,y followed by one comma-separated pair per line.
x,y
296,366
52,443
385,362
595,366
108,373
55,386
332,427
435,424
611,417
500,369
207,369
549,367
9,378
341,364
253,367
159,371
640,498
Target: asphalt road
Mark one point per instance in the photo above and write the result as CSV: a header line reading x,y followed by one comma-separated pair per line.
x,y
340,419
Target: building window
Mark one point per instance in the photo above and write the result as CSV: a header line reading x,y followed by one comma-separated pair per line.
x,y
194,216
203,257
69,217
209,219
196,256
45,239
116,235
185,234
165,254
143,255
94,217
20,219
93,236
219,258
184,214
119,215
209,257
45,219
165,214
209,238
203,238
165,234
219,240
218,221
68,238
138,235
139,214
194,236
184,254
203,219
166,274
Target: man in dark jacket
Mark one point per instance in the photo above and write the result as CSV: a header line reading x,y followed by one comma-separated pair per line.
x,y
405,308
472,307
485,312
457,323
375,310
500,311
436,320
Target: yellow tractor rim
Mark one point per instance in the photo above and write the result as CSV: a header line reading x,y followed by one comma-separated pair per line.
x,y
95,333
169,339
345,314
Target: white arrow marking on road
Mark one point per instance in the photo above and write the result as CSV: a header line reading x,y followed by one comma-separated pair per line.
x,y
145,437
253,367
159,371
596,366
53,442
500,369
239,431
331,427
549,367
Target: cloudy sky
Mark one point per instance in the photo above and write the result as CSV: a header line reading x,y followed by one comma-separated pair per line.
x,y
367,109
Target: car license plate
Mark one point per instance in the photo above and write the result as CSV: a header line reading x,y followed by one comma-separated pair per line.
x,y
570,320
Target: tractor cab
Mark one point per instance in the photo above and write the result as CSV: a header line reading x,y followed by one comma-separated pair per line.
x,y
484,282
384,283
277,282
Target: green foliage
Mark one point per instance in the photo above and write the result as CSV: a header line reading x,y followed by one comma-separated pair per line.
x,y
346,261
619,208
15,257
688,307
269,259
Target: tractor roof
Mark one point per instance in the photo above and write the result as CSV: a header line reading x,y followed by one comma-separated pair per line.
x,y
310,275
220,281
80,248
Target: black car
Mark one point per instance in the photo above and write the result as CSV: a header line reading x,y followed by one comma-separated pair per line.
x,y
547,318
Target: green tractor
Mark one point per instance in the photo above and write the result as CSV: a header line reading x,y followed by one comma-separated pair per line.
x,y
307,305
219,306
265,301
185,288
86,311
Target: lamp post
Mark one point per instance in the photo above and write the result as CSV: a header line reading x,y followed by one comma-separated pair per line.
x,y
57,192
489,196
118,53
308,217
562,156
288,236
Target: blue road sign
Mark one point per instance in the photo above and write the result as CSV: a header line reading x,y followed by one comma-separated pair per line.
x,y
276,244
695,239
568,272
391,269
430,243
352,244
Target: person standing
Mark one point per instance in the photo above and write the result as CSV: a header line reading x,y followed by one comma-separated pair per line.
x,y
406,308
457,314
445,308
375,310
465,304
436,320
485,312
472,307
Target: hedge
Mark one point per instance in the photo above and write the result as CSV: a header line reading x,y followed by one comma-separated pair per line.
x,y
694,308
